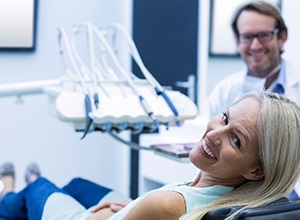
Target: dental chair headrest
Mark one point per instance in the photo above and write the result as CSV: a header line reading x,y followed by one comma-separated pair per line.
x,y
278,210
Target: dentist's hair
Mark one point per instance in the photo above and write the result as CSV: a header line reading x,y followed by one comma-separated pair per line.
x,y
262,8
279,150
265,9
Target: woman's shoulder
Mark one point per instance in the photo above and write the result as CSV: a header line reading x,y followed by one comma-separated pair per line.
x,y
159,205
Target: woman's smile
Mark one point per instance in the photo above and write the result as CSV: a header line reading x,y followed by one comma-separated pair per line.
x,y
230,139
207,151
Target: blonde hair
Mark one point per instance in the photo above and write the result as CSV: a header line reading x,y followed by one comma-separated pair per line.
x,y
279,150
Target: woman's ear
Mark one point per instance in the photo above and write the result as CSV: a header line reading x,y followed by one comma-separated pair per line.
x,y
255,174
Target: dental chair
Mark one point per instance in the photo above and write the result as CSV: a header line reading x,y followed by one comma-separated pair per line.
x,y
282,209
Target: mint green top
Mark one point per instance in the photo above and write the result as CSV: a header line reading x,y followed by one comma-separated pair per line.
x,y
194,197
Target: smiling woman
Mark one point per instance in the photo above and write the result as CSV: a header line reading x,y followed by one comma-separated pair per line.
x,y
246,139
231,139
242,159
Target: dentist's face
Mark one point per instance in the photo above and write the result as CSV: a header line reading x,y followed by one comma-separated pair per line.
x,y
260,57
229,148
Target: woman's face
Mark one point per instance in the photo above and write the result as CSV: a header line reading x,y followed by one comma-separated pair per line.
x,y
229,148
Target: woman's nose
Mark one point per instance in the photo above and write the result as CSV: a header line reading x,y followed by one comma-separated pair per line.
x,y
215,136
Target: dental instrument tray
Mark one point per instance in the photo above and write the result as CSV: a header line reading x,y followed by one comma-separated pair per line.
x,y
123,111
180,150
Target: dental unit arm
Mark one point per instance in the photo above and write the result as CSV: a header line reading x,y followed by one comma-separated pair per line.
x,y
98,94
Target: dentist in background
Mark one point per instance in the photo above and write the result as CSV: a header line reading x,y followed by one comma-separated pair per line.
x,y
260,34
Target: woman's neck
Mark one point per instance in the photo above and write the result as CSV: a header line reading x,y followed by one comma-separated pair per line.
x,y
205,180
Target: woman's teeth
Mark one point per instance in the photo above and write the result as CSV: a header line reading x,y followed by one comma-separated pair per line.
x,y
208,151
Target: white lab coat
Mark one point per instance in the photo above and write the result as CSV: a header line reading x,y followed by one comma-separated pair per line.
x,y
233,87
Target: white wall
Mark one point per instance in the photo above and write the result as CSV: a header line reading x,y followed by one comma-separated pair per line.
x,y
210,69
290,12
29,132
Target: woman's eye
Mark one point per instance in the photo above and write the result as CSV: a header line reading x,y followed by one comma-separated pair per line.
x,y
235,139
237,142
225,118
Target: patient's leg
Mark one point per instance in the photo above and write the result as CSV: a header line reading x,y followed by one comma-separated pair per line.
x,y
12,206
29,202
86,192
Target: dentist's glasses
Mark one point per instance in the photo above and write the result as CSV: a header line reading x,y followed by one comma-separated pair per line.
x,y
263,37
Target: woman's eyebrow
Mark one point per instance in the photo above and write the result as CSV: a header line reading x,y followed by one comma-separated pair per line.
x,y
238,130
242,134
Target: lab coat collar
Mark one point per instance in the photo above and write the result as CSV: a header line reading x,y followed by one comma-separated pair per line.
x,y
292,75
